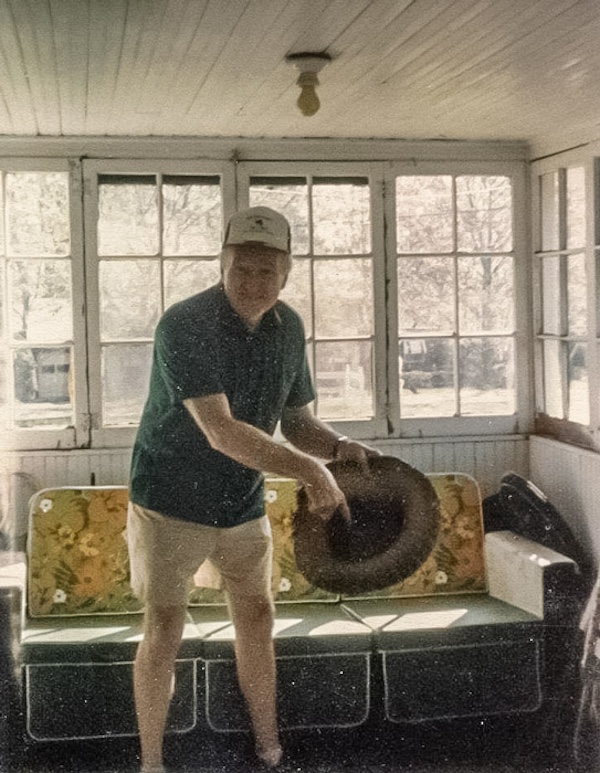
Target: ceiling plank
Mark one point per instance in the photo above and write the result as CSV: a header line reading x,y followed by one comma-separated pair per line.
x,y
106,30
15,80
69,29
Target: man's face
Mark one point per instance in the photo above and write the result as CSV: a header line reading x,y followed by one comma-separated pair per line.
x,y
253,280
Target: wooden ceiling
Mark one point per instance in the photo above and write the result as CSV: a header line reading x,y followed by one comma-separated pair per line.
x,y
427,69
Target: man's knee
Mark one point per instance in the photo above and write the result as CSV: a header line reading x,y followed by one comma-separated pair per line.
x,y
252,613
163,627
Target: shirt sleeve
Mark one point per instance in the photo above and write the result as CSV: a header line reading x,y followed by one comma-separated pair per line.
x,y
186,359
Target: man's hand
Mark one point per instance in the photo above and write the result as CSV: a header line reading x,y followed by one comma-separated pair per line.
x,y
324,495
347,450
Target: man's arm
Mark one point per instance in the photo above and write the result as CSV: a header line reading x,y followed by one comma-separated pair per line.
x,y
312,436
254,448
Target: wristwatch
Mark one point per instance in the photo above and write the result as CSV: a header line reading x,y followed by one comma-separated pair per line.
x,y
336,446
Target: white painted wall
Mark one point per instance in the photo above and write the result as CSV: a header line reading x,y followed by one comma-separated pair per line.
x,y
570,478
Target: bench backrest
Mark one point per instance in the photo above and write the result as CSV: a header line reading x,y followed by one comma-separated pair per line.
x,y
78,561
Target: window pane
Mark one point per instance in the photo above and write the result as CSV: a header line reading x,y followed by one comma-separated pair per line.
x,y
341,217
42,387
297,292
487,376
41,300
127,216
551,313
129,299
344,380
188,277
426,368
576,207
192,216
484,213
426,294
125,378
577,294
424,214
549,210
485,294
290,197
343,298
553,398
37,210
579,397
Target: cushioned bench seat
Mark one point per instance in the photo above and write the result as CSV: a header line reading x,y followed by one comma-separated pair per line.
x,y
323,655
465,635
455,656
78,676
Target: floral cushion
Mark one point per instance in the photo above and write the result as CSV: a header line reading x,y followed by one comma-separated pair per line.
x,y
78,560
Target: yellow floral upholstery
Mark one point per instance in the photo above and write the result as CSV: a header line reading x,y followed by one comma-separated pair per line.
x,y
288,583
456,563
78,562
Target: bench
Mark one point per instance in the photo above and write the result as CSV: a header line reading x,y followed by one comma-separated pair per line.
x,y
468,635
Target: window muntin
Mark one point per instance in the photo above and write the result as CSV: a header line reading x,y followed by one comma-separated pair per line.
x,y
36,299
331,284
456,295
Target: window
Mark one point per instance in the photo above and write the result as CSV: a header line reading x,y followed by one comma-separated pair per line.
x,y
409,279
37,283
155,240
562,273
456,302
459,284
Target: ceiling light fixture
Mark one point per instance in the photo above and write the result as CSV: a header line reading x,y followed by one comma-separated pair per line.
x,y
309,66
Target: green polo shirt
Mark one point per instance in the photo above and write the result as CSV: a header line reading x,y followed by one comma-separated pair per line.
x,y
202,347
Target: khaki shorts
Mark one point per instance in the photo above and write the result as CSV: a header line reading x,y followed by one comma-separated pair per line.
x,y
165,553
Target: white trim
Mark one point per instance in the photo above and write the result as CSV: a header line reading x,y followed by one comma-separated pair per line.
x,y
243,149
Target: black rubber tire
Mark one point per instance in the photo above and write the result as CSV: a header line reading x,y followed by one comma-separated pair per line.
x,y
529,513
402,516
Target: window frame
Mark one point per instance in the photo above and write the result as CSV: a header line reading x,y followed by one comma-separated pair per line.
x,y
520,421
376,426
588,158
124,436
235,174
75,435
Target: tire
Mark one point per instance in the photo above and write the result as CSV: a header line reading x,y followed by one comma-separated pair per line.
x,y
395,523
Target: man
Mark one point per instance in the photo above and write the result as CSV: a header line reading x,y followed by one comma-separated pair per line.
x,y
229,363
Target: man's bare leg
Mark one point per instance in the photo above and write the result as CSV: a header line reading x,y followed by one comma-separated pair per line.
x,y
255,659
153,676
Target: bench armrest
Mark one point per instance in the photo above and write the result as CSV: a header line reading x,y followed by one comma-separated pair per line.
x,y
13,570
520,571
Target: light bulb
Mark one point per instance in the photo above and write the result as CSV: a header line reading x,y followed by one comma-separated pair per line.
x,y
308,101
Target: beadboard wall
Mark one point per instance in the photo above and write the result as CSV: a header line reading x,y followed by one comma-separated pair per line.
x,y
22,474
570,478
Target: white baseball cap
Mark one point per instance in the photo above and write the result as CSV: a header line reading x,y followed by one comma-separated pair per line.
x,y
259,224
